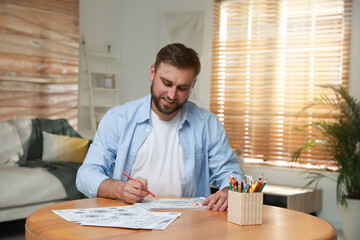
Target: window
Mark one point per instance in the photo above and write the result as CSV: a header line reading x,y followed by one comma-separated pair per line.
x,y
269,59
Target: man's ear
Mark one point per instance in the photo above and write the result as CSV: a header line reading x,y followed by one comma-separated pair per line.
x,y
193,85
152,73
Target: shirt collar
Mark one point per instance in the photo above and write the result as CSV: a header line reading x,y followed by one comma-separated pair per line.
x,y
145,111
186,118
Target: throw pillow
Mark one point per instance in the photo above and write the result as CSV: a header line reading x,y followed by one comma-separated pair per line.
x,y
61,148
10,147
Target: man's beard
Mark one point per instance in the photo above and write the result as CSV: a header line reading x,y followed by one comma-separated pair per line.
x,y
164,109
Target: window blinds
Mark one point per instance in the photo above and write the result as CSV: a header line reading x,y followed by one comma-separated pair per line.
x,y
269,59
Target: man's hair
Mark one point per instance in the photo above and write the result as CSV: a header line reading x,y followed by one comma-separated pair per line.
x,y
179,56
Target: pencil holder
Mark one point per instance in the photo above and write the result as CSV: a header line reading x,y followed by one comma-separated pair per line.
x,y
245,208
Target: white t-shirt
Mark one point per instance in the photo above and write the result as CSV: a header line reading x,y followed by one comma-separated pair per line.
x,y
160,158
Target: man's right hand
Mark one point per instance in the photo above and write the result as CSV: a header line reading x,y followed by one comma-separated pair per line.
x,y
131,191
135,190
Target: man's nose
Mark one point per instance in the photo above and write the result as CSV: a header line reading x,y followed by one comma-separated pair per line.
x,y
172,93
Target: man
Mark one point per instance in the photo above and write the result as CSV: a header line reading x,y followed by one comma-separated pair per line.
x,y
167,144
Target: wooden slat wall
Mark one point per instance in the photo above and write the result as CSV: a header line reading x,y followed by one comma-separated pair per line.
x,y
39,49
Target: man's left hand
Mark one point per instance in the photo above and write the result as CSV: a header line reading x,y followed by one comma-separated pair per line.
x,y
217,201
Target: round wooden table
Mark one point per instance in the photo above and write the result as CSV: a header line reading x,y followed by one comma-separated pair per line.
x,y
278,223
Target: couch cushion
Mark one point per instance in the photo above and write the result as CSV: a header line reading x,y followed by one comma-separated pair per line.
x,y
64,148
21,186
10,149
24,128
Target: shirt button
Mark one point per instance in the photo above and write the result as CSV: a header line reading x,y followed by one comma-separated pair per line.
x,y
133,150
147,129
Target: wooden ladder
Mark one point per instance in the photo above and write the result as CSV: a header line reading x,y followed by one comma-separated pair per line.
x,y
101,83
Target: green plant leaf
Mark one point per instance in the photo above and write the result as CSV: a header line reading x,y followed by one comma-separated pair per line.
x,y
339,139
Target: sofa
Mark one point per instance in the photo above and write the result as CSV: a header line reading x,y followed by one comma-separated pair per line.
x,y
39,159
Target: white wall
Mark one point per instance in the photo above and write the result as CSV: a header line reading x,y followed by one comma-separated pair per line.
x,y
137,30
146,32
354,83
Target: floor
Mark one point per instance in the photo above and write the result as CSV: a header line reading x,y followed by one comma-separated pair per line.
x,y
12,230
15,230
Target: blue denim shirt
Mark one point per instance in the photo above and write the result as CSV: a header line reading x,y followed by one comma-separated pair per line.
x,y
208,157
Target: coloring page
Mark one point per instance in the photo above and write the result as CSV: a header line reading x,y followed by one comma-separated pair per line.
x,y
123,217
150,220
176,203
78,215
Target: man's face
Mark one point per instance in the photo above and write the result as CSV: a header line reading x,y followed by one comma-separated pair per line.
x,y
170,89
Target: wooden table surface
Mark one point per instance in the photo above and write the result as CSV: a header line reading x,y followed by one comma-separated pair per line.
x,y
278,223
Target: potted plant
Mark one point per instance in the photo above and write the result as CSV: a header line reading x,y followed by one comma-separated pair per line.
x,y
339,140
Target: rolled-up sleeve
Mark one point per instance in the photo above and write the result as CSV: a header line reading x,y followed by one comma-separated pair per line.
x,y
222,159
100,158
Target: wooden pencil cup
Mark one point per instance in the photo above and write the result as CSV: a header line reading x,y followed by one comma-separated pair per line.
x,y
245,208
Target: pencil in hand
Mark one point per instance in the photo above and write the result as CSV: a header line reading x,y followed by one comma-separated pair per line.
x,y
147,190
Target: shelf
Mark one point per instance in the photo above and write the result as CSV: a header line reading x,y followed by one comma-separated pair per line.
x,y
103,72
103,55
100,106
106,89
102,89
104,106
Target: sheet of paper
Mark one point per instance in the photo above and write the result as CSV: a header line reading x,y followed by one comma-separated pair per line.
x,y
124,217
172,204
